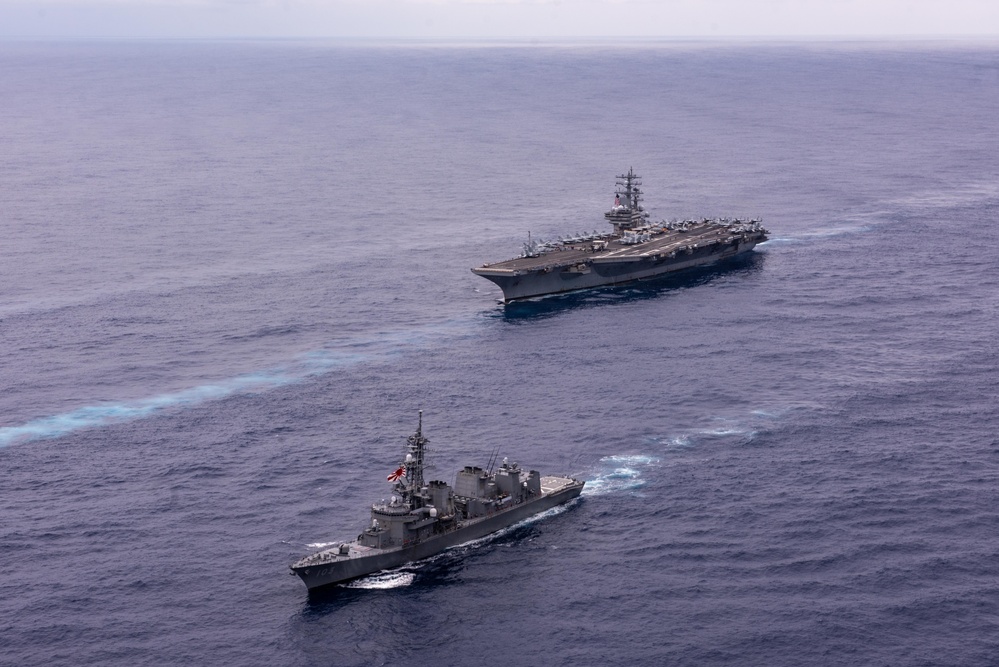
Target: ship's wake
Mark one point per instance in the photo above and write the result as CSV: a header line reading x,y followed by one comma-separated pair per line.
x,y
383,581
737,430
619,473
891,210
963,194
631,472
332,357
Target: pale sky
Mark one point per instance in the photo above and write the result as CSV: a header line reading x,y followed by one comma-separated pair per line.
x,y
492,19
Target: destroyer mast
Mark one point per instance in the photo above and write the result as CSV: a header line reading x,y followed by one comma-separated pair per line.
x,y
411,491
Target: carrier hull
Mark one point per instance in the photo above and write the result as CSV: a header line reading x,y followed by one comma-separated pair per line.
x,y
544,282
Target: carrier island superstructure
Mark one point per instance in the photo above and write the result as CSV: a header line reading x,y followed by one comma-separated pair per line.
x,y
634,250
424,518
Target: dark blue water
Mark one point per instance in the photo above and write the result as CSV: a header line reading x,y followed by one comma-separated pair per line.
x,y
231,273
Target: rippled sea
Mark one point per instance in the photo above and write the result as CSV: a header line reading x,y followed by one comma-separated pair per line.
x,y
232,272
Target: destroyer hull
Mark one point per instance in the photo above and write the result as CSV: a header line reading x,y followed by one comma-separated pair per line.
x,y
559,280
345,569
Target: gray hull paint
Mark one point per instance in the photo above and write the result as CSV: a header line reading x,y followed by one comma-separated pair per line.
x,y
558,282
318,576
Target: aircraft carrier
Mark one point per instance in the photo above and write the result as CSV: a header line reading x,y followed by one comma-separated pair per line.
x,y
636,249
424,518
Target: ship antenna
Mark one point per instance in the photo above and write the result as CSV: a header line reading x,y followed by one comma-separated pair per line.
x,y
417,448
492,460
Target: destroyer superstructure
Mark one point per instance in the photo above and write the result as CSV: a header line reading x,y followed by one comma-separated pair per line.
x,y
634,250
424,518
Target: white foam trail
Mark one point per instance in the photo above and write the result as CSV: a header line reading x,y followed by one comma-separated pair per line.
x,y
100,415
745,429
541,516
626,472
677,441
631,459
310,364
719,432
691,438
857,223
621,473
383,581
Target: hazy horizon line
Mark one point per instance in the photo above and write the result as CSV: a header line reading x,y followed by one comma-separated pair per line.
x,y
518,39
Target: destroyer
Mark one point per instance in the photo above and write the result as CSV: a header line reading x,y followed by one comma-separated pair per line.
x,y
423,519
635,249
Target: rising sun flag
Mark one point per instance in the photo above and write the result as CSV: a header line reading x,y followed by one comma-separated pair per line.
x,y
397,475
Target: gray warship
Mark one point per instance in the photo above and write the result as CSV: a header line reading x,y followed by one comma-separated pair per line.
x,y
423,519
636,249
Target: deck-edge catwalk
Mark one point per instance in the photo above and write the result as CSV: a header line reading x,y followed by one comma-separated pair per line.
x,y
636,249
424,518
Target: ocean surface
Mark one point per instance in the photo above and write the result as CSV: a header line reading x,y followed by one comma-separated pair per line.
x,y
231,273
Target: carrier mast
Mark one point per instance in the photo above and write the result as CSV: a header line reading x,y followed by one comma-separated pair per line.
x,y
632,193
628,211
